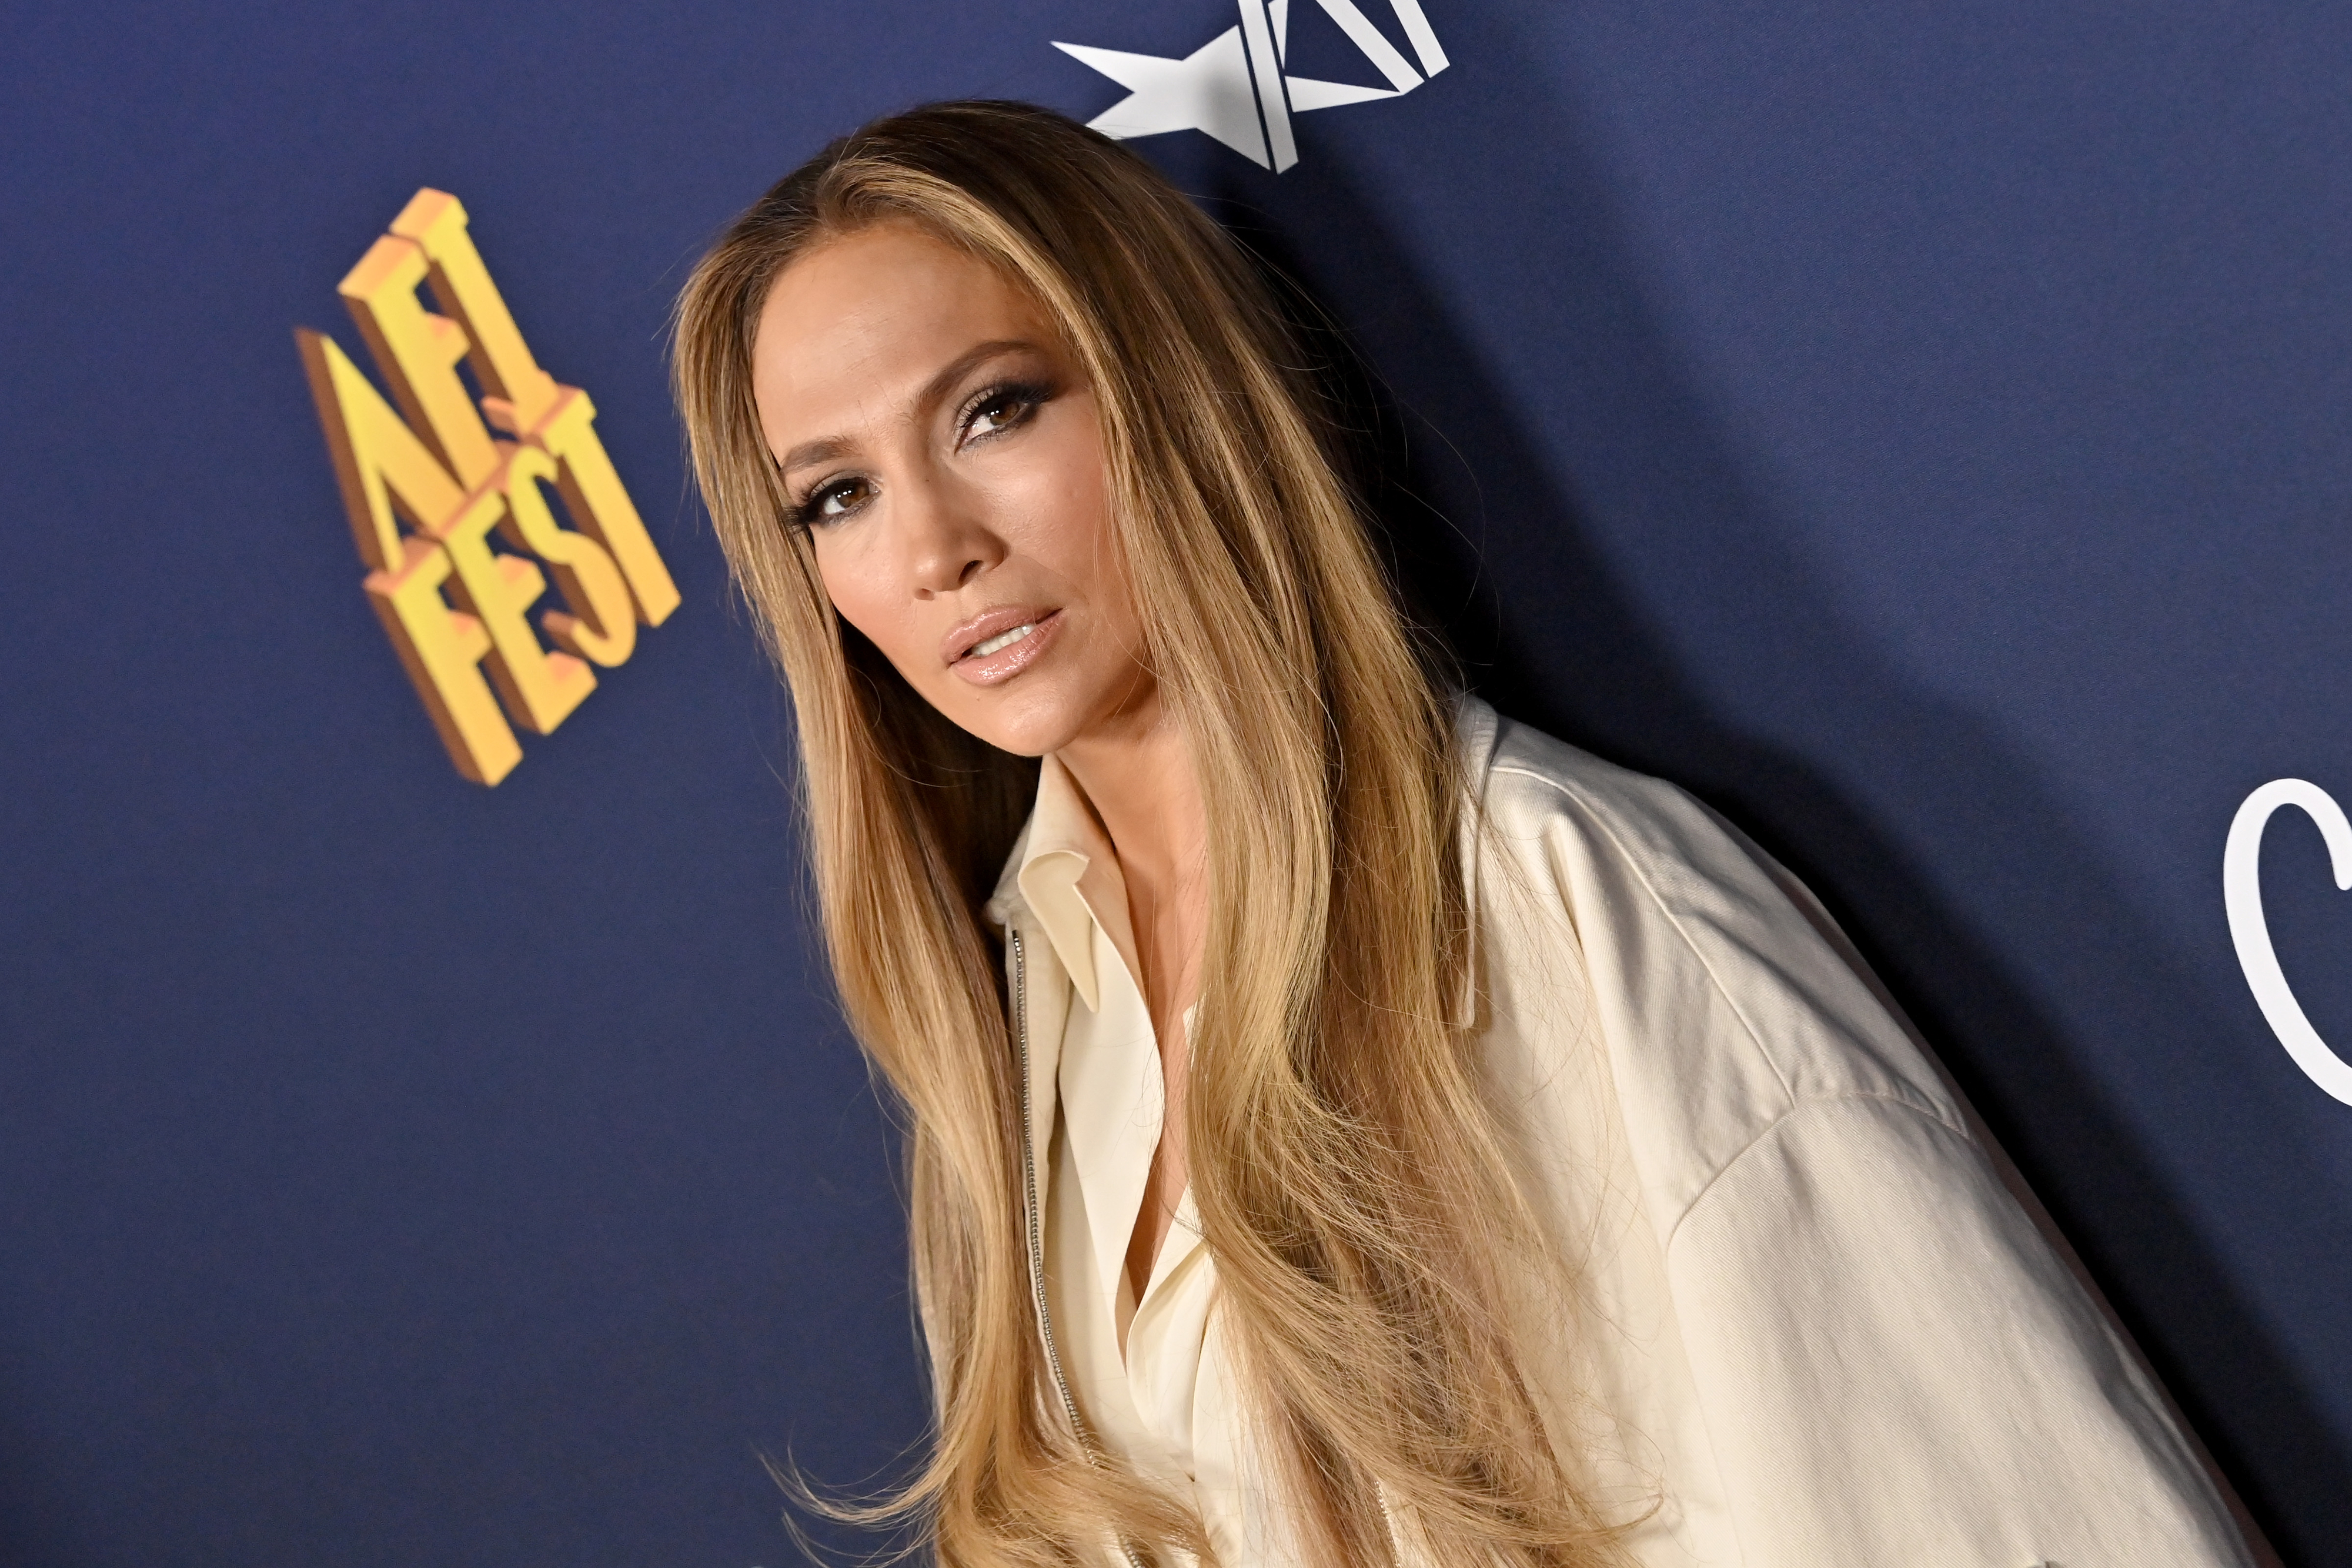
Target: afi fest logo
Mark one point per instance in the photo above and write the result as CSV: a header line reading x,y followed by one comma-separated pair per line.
x,y
435,465
2241,894
1233,87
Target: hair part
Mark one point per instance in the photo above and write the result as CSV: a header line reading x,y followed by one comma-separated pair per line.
x,y
1350,1186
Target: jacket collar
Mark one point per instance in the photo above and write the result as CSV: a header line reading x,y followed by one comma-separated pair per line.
x,y
1067,875
1477,729
1067,848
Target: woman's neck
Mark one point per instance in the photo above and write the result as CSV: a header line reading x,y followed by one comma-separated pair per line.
x,y
1138,774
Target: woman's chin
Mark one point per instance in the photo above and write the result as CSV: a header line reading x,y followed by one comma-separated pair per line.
x,y
1026,724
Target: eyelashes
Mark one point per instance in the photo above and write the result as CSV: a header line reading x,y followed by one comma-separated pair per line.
x,y
829,501
1007,406
992,411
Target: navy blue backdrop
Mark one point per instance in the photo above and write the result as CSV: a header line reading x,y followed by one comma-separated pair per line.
x,y
1917,427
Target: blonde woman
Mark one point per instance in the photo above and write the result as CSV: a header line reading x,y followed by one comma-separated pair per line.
x,y
1346,1127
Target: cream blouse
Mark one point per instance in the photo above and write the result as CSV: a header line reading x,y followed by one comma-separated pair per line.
x,y
1144,1373
1811,1329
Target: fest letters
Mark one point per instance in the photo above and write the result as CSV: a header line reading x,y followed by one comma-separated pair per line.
x,y
456,609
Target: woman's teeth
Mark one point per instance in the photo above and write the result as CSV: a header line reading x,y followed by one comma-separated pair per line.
x,y
1004,639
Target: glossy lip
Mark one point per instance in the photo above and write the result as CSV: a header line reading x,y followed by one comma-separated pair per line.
x,y
1005,662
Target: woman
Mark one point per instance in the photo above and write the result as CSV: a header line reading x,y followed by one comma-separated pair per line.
x,y
1345,1127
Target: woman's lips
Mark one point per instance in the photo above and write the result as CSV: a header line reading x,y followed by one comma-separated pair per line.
x,y
990,669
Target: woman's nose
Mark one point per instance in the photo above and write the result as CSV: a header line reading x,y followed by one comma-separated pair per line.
x,y
949,543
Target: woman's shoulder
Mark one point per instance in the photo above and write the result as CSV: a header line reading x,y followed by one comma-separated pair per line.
x,y
1524,779
1535,794
1725,995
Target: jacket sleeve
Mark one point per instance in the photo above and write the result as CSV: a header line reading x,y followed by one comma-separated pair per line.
x,y
1890,1365
1895,1369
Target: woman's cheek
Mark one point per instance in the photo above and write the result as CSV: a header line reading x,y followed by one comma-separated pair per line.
x,y
848,582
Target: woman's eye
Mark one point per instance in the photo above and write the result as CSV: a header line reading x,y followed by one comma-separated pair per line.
x,y
1000,410
995,414
838,499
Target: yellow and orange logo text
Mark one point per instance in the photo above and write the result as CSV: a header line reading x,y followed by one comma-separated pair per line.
x,y
455,472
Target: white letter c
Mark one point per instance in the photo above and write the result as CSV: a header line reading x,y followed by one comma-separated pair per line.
x,y
2241,892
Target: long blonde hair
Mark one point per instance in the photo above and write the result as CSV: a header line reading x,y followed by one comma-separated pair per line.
x,y
1349,1183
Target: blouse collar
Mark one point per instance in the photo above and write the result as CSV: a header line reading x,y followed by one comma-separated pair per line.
x,y
1067,873
1078,873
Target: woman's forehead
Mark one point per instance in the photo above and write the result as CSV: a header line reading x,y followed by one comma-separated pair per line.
x,y
886,305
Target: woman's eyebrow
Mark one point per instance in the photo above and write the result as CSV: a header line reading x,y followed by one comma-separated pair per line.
x,y
961,366
826,448
808,452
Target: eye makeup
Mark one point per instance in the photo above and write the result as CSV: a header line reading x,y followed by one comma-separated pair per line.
x,y
1004,406
1015,401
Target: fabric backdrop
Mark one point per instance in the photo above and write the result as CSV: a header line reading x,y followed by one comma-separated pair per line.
x,y
1917,428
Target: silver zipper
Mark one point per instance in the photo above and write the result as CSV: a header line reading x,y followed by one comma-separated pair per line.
x,y
1037,1220
1029,1195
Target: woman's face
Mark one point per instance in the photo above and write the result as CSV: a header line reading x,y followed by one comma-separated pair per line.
x,y
945,456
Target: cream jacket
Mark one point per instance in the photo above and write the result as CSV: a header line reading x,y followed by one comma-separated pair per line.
x,y
1811,1328
1146,1373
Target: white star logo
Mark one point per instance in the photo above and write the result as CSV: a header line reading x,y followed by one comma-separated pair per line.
x,y
1233,87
